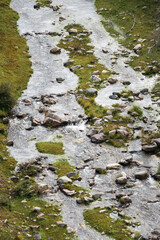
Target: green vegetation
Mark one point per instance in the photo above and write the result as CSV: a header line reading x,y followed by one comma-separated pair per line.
x,y
64,167
55,148
136,111
78,45
44,3
134,22
104,222
15,66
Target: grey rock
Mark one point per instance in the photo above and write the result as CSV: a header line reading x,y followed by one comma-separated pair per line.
x,y
157,141
91,91
63,180
55,50
98,138
137,48
60,80
88,199
73,31
69,193
66,64
125,199
95,78
37,6
61,224
149,147
113,166
112,80
141,175
96,196
37,236
92,132
35,121
71,174
75,67
53,120
10,143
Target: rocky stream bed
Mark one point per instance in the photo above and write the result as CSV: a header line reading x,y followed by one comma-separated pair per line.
x,y
119,177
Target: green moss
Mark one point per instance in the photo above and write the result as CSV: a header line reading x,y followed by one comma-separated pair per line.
x,y
44,3
118,19
78,51
103,222
55,148
136,110
64,167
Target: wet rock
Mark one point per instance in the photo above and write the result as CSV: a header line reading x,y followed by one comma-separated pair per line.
x,y
55,50
75,67
144,91
114,96
149,147
10,143
60,80
113,166
43,188
53,120
69,193
71,174
122,132
137,68
92,132
126,82
66,64
37,6
55,8
51,168
122,179
96,196
5,120
61,224
157,141
125,199
61,19
63,180
21,115
91,182
95,78
73,31
156,176
35,121
126,162
42,109
105,50
137,48
88,199
47,100
119,195
141,175
36,209
100,170
37,236
112,80
98,138
91,91
79,201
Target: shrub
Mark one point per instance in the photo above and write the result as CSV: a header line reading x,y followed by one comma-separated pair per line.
x,y
7,100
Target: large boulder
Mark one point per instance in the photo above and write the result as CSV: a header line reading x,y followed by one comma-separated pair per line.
x,y
55,50
53,120
149,147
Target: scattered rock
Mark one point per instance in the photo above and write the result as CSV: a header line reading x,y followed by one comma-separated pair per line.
x,y
35,121
53,120
61,224
141,175
37,236
55,50
37,6
149,147
92,132
91,91
75,68
69,192
137,48
96,196
63,180
60,80
112,80
5,120
125,199
100,170
88,199
157,141
95,78
66,64
98,138
71,174
73,31
122,179
10,143
113,166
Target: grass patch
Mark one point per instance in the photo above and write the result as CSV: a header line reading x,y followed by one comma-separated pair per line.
x,y
136,111
79,48
44,3
103,222
64,167
118,19
55,148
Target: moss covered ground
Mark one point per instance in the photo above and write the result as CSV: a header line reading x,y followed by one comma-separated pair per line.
x,y
116,228
134,22
55,148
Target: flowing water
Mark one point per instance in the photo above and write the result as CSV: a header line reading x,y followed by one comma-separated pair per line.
x,y
35,25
